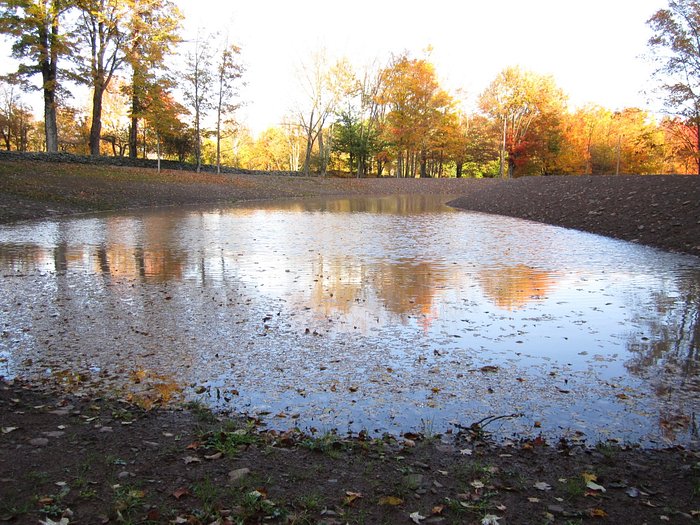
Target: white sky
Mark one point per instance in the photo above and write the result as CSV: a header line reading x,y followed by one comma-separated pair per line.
x,y
593,49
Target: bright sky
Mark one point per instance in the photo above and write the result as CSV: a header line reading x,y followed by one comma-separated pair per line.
x,y
593,49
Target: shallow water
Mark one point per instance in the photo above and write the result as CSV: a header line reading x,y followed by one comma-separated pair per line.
x,y
391,314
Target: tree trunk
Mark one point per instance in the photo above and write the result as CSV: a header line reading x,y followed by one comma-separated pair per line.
x,y
133,134
96,122
423,164
459,170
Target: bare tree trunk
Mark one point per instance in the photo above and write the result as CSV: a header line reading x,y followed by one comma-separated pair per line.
x,y
96,122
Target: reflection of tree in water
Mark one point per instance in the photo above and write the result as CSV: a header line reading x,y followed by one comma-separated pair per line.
x,y
672,331
668,350
403,288
512,287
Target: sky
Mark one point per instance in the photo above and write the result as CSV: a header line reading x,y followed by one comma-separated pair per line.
x,y
594,49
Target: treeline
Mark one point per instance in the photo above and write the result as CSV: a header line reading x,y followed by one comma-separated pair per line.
x,y
390,120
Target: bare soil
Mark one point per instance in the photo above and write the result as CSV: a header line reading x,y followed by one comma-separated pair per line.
x,y
71,459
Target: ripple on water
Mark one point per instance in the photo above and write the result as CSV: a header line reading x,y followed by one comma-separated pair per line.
x,y
388,314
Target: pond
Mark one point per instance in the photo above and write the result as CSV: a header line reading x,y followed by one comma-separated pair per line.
x,y
387,314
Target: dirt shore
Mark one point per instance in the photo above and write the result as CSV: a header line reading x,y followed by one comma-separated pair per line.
x,y
71,459
661,211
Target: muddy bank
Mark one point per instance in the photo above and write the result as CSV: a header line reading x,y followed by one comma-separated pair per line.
x,y
661,211
67,459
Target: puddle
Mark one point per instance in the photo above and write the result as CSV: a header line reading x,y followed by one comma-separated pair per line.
x,y
380,314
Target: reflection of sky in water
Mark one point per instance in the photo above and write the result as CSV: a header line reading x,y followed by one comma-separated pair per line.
x,y
376,311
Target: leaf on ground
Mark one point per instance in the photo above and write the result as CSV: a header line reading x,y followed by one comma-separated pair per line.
x,y
416,517
437,510
477,484
598,513
191,459
390,500
588,476
216,456
533,500
49,521
490,519
594,486
350,497
7,430
541,485
181,492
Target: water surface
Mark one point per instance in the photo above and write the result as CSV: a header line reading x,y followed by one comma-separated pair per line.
x,y
389,314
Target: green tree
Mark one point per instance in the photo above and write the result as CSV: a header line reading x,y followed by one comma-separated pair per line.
x,y
39,44
675,45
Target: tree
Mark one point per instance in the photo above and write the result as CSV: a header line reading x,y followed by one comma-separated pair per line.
x,y
676,48
418,108
228,72
198,77
528,107
15,118
324,87
35,25
103,36
153,29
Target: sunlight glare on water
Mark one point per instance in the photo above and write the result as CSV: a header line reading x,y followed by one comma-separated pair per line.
x,y
385,314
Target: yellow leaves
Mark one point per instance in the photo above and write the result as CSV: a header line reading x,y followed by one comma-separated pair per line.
x,y
351,497
392,501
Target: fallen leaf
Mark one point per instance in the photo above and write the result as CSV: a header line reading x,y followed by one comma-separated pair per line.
x,y
598,513
477,484
218,455
49,521
489,368
587,476
416,517
594,486
193,446
541,485
7,430
191,459
350,497
466,452
490,519
181,492
437,510
533,500
390,500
